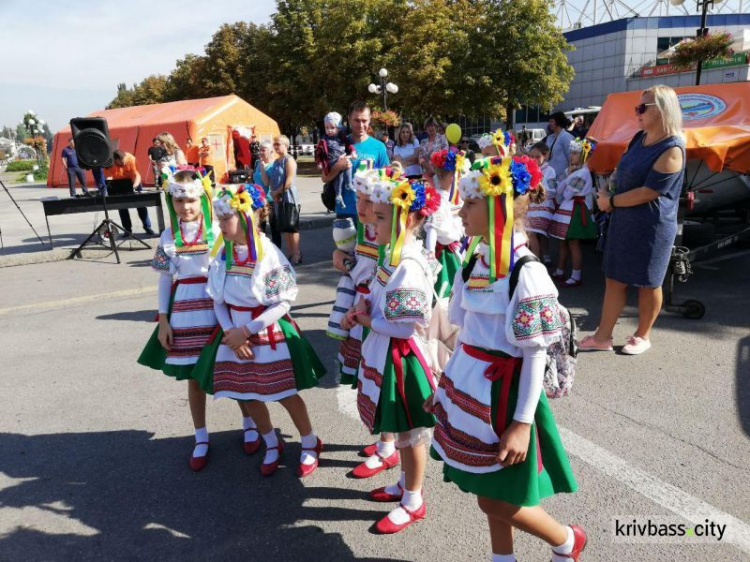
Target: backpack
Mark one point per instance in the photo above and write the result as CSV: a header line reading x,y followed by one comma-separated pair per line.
x,y
562,355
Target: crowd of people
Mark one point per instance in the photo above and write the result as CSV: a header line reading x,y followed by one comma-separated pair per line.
x,y
448,240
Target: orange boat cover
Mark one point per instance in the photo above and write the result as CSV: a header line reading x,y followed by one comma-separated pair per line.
x,y
133,128
716,124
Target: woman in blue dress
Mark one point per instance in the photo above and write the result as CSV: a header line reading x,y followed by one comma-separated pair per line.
x,y
643,222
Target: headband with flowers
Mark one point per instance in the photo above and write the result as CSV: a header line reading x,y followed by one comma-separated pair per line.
x,y
500,180
244,201
185,182
453,161
584,146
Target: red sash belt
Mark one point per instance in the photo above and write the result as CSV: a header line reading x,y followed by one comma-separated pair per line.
x,y
505,368
454,247
584,208
400,349
363,289
257,311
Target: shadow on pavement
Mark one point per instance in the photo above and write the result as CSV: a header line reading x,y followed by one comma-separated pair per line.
x,y
140,501
742,384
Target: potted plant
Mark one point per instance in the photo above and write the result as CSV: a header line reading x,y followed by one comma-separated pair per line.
x,y
707,47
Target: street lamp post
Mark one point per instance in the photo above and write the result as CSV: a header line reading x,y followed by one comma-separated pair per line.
x,y
385,88
703,6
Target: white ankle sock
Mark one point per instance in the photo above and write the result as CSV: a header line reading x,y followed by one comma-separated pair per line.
x,y
559,553
559,271
249,424
385,449
308,442
271,441
576,274
503,558
412,500
201,436
398,487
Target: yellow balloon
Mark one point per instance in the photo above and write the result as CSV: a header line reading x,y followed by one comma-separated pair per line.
x,y
453,133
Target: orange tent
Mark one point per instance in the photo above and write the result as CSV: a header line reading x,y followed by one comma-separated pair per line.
x,y
133,128
716,121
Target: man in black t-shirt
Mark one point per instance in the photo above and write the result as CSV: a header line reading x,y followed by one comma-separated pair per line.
x,y
155,153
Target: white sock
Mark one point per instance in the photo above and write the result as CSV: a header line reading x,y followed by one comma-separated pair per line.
x,y
576,274
201,436
412,500
308,442
559,271
385,449
503,558
398,487
249,424
559,553
271,441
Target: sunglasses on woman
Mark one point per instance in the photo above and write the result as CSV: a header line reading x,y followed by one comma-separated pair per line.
x,y
641,109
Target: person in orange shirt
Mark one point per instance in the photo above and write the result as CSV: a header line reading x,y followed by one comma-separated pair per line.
x,y
206,162
125,167
191,153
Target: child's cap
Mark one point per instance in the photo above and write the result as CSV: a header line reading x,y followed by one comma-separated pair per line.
x,y
333,118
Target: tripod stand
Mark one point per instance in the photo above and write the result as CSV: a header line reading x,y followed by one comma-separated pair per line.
x,y
110,228
2,244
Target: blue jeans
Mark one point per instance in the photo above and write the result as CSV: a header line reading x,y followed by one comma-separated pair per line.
x,y
74,173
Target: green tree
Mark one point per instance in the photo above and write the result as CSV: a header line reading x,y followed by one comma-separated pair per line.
x,y
124,98
519,56
21,132
185,81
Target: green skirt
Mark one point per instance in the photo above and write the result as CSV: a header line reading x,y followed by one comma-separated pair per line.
x,y
391,412
307,366
577,230
451,264
521,484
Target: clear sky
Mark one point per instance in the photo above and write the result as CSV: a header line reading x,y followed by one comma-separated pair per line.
x,y
64,58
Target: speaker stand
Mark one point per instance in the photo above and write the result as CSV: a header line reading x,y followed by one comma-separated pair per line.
x,y
111,228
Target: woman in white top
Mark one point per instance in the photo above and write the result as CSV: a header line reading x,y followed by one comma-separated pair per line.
x,y
406,152
175,156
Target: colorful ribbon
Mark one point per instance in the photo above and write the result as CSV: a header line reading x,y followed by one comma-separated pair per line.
x,y
398,233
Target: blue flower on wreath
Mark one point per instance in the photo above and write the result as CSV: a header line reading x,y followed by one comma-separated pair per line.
x,y
418,186
508,138
257,195
521,177
450,161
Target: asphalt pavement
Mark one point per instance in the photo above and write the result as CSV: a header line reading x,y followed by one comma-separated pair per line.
x,y
94,448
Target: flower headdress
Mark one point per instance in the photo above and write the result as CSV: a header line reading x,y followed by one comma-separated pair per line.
x,y
406,197
584,146
185,182
244,201
500,180
453,161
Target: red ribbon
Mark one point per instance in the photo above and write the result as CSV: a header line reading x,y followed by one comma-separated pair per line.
x,y
400,349
257,311
454,247
582,202
363,289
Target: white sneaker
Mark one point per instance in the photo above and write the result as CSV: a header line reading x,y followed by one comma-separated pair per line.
x,y
636,345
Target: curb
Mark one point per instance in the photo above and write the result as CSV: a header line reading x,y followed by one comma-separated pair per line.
x,y
61,254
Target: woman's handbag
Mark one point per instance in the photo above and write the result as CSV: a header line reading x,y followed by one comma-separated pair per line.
x,y
288,218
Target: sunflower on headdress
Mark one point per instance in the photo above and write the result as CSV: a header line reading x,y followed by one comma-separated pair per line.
x,y
241,201
497,178
403,195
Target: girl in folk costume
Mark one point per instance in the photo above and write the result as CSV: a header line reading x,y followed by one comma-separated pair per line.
x,y
186,316
443,231
394,378
381,455
263,356
495,430
573,221
539,215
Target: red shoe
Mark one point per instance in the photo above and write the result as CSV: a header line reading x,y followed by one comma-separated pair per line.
x,y
270,468
363,471
386,527
307,469
199,463
579,543
251,447
369,451
380,495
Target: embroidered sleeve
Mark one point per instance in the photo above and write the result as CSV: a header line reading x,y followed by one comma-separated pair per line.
x,y
161,262
406,304
535,317
577,184
279,281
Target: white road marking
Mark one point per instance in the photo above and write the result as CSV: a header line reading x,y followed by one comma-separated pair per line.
x,y
666,495
64,303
